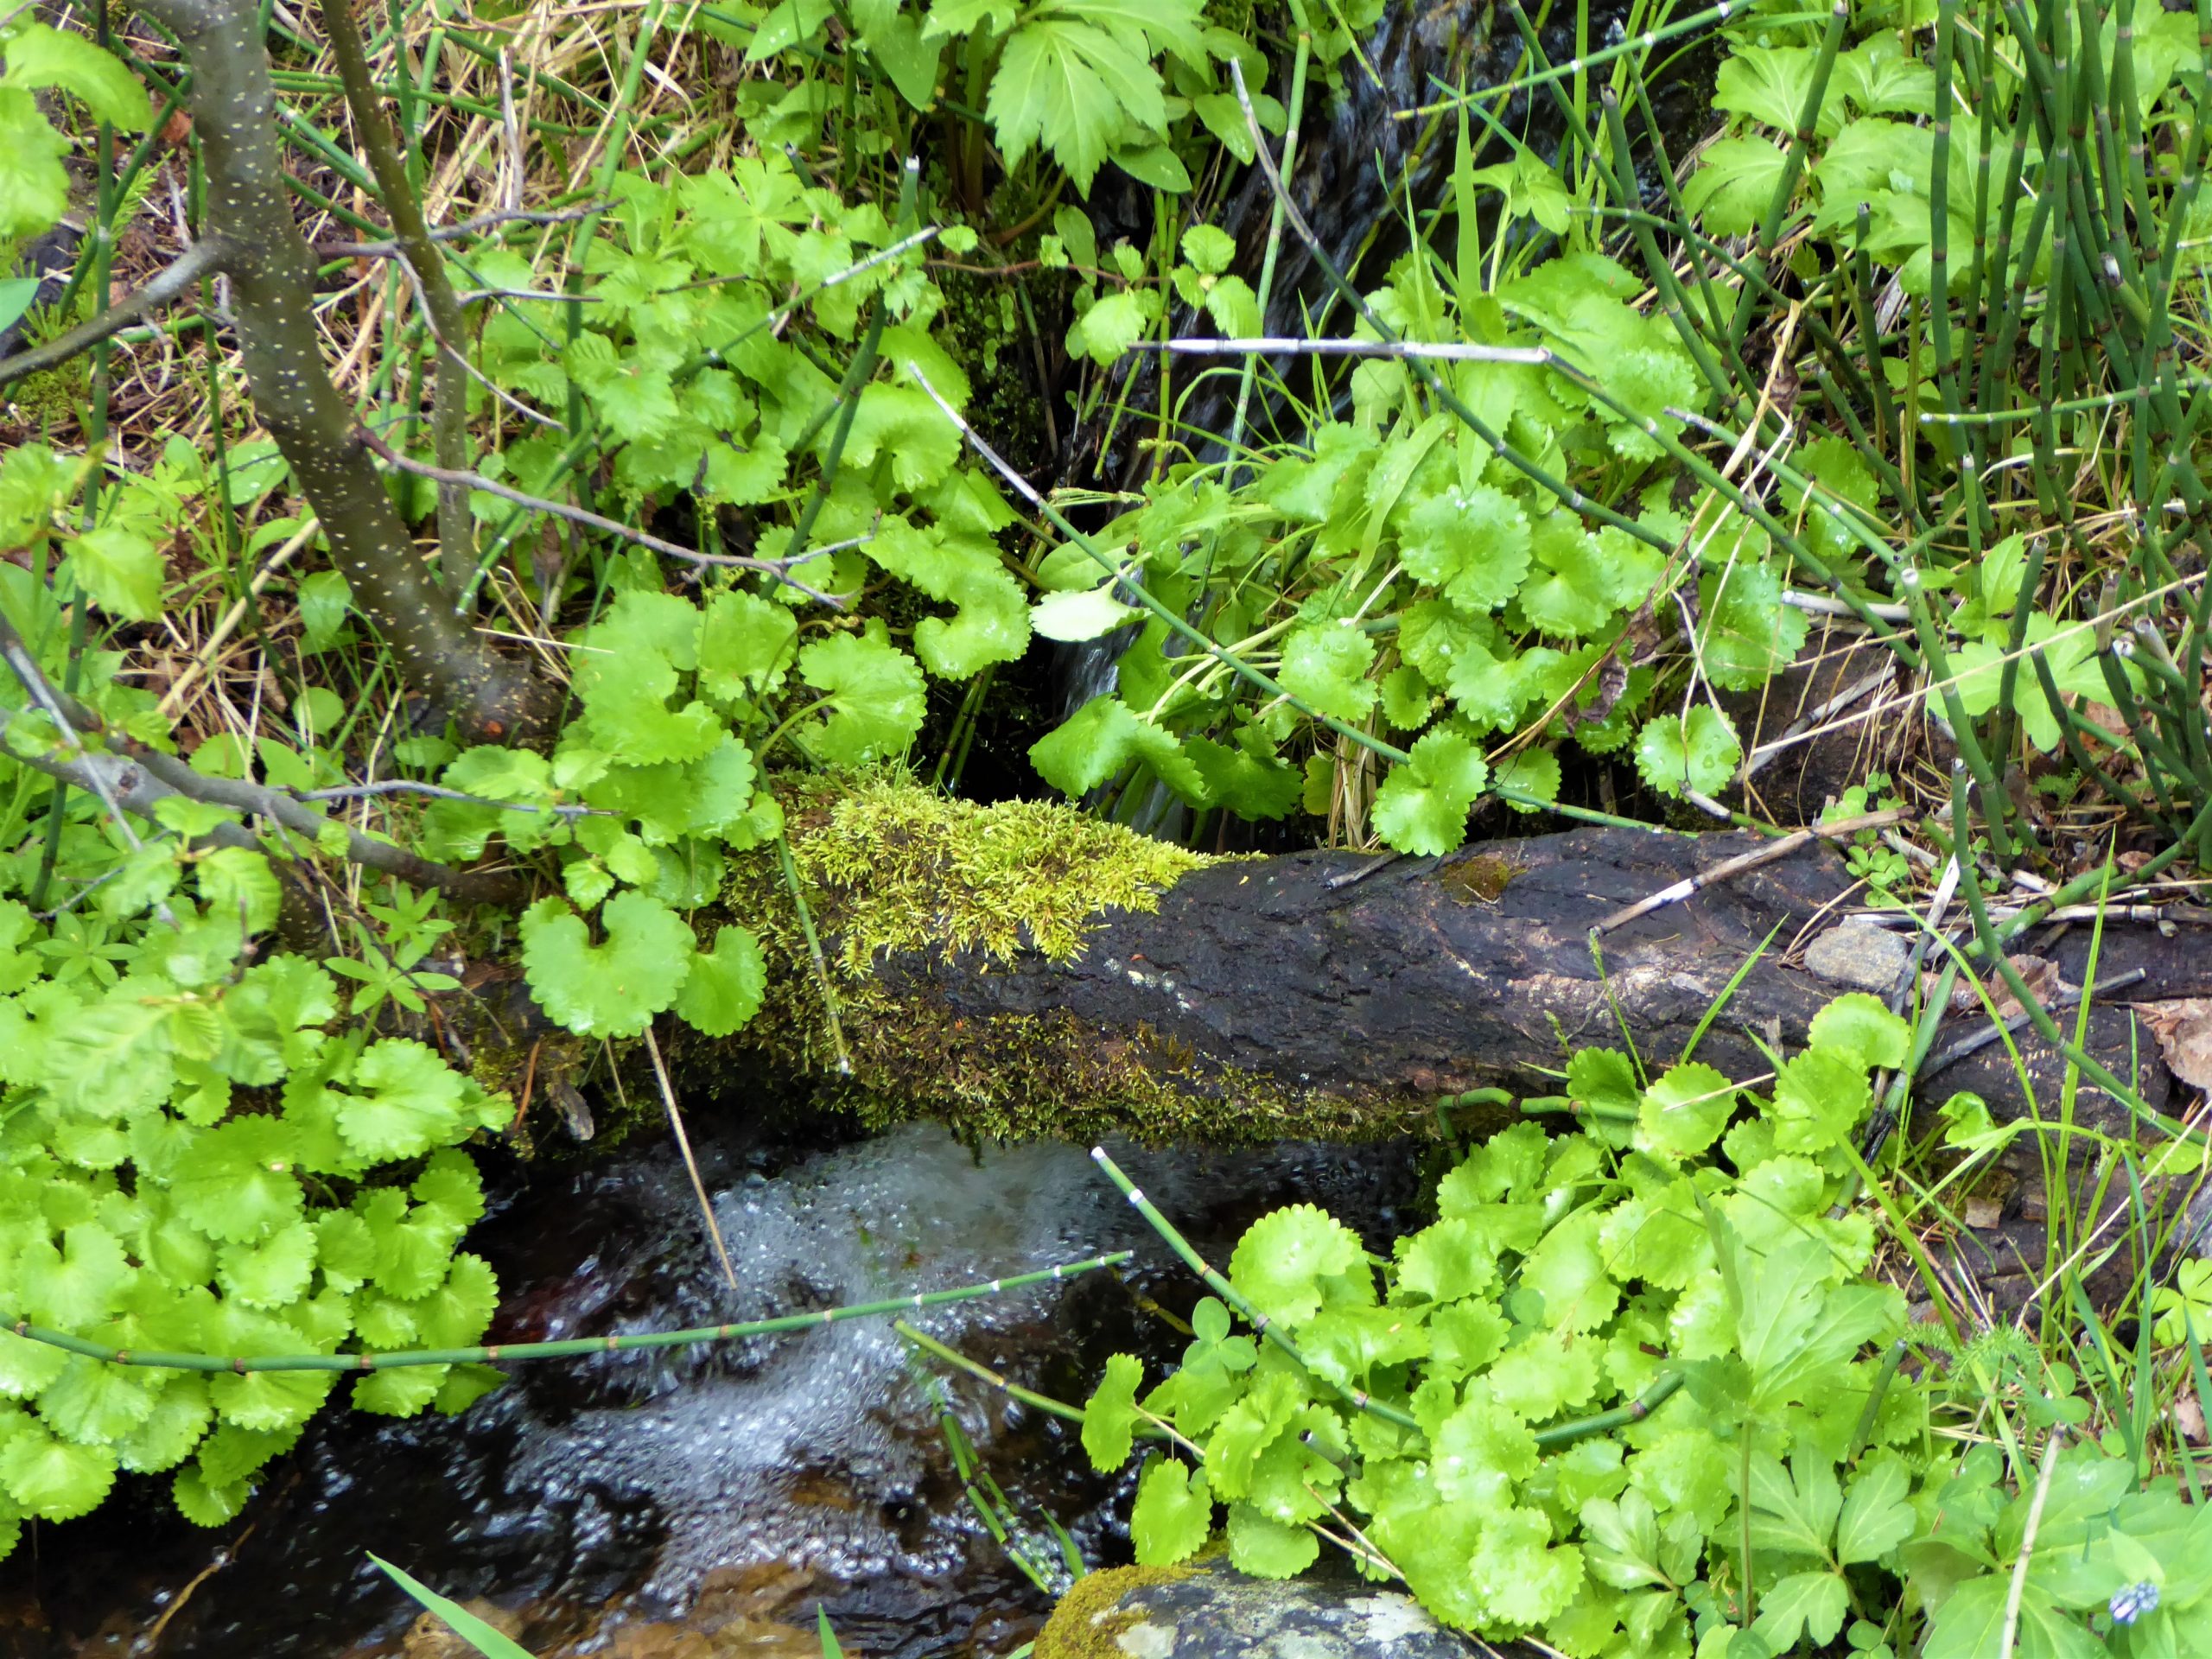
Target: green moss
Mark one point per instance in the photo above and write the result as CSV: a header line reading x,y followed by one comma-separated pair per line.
x,y
899,867
890,870
1090,1617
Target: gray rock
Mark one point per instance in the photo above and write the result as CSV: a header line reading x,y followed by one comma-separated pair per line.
x,y
1210,1611
1860,954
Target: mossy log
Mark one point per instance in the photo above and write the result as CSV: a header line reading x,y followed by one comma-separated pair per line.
x,y
1020,970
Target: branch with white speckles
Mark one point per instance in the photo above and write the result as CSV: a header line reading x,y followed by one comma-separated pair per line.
x,y
489,696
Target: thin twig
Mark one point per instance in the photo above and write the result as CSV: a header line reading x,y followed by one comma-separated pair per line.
x,y
1734,866
1402,350
180,275
2020,1585
779,569
690,1163
2014,1023
1812,717
466,227
440,793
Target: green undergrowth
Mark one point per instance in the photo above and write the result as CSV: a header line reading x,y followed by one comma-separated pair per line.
x,y
1651,1388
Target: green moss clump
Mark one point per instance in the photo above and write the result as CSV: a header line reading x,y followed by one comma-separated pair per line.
x,y
903,868
890,871
1090,1619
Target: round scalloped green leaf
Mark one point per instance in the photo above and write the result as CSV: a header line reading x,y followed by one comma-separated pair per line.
x,y
400,1392
1471,543
235,1182
1568,1268
95,1403
1819,1098
1483,1450
614,988
1325,665
27,1366
1683,1113
209,1506
1172,1516
270,1272
876,694
180,1416
1267,1548
1110,1417
1858,1026
1525,1579
402,1100
1446,1261
1283,1263
456,1313
269,1401
723,990
1533,773
75,1285
53,1479
1699,751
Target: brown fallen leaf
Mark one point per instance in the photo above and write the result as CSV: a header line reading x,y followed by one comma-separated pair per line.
x,y
2040,976
2189,1418
2183,1028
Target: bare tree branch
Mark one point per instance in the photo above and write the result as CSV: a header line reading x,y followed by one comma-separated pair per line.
x,y
172,283
489,696
779,569
466,227
441,308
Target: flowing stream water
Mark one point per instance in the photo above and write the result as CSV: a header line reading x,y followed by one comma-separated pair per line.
x,y
632,1505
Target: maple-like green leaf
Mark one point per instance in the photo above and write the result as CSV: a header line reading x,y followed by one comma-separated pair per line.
x,y
1735,181
613,988
1525,1578
1568,1269
1875,1517
1772,84
993,622
1102,737
875,693
121,570
1074,88
34,188
1803,1604
1291,1260
39,55
1173,1514
1697,751
1423,804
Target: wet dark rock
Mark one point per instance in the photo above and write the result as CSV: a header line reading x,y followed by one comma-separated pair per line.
x,y
1210,1611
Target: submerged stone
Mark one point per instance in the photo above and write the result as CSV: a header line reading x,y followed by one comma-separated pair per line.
x,y
1210,1611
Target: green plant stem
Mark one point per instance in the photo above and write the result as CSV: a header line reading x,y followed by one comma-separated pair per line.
x,y
566,1350
1219,1283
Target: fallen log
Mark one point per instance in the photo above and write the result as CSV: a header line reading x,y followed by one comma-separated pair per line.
x,y
1020,969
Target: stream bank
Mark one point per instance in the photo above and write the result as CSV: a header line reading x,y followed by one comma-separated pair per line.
x,y
701,1502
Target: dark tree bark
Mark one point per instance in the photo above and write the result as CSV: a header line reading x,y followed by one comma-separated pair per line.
x,y
1308,994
